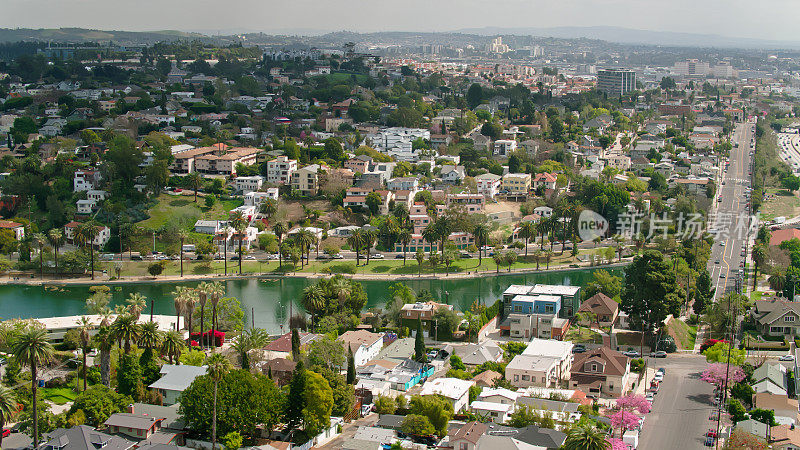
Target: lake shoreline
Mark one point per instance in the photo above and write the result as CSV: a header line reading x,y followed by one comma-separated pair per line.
x,y
86,281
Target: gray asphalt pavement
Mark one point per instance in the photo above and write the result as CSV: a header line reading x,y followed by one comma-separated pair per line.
x,y
682,407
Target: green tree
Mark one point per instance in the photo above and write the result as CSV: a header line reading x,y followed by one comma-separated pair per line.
x,y
129,377
326,352
586,436
736,410
98,403
232,441
419,344
351,366
417,425
603,282
318,400
385,405
721,351
218,367
765,416
373,202
438,410
648,293
704,292
8,407
244,402
32,348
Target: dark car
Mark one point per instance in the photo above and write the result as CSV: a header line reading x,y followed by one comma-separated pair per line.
x,y
579,349
398,256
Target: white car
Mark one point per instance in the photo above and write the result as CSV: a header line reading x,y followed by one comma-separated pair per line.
x,y
376,256
786,358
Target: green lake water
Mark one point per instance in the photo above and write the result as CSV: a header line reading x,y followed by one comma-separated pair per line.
x,y
268,300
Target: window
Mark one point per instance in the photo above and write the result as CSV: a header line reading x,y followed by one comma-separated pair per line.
x,y
789,319
516,377
494,414
464,446
517,308
544,379
526,378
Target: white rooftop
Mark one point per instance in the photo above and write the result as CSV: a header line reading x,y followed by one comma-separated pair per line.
x,y
548,347
531,362
502,392
554,289
491,406
448,387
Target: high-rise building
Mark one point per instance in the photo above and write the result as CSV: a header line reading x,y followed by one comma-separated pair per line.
x,y
616,82
691,67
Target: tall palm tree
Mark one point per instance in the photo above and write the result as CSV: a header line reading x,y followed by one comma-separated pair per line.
x,y
85,327
431,235
182,235
136,304
279,229
586,437
216,291
443,227
253,338
202,298
218,366
239,224
225,233
125,329
85,235
104,342
150,337
8,407
481,234
179,301
40,240
356,241
269,207
304,239
526,231
369,242
194,180
32,348
55,236
172,346
189,305
341,288
404,237
313,301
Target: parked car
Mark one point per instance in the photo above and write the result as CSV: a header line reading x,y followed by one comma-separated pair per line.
x,y
273,257
465,255
398,256
658,354
632,354
324,256
650,397
579,348
376,256
366,409
337,256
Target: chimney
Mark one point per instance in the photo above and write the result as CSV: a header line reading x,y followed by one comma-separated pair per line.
x,y
131,409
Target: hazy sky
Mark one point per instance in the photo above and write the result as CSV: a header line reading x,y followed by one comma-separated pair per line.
x,y
764,19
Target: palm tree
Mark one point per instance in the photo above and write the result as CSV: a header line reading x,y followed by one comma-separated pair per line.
x,y
85,235
526,231
305,239
249,339
189,305
136,304
547,256
404,236
481,234
313,301
586,437
104,342
32,348
55,237
8,407
420,257
443,227
172,346
182,235
537,254
179,301
218,366
431,235
125,329
40,240
150,337
269,207
225,233
341,288
216,291
369,242
202,297
84,329
279,229
239,224
194,180
356,241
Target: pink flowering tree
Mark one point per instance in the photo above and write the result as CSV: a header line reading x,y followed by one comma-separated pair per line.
x,y
717,374
616,444
623,415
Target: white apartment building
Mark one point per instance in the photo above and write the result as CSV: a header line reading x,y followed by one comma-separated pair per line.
x,y
488,184
503,147
248,184
280,170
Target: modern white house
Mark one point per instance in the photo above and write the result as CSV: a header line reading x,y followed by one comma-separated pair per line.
x,y
248,184
493,412
453,389
488,184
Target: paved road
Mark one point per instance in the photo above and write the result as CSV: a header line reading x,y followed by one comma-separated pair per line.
x,y
726,251
681,409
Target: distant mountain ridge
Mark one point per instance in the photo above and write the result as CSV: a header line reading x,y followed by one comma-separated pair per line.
x,y
633,36
78,35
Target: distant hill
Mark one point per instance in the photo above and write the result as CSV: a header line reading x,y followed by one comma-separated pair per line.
x,y
77,35
633,36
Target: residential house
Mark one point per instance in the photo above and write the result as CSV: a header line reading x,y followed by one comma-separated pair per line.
x,y
357,198
619,162
476,354
600,372
306,180
516,183
83,437
525,326
551,348
225,163
466,437
403,184
471,203
248,184
209,226
754,427
135,426
481,143
530,370
531,437
503,147
452,174
259,198
282,346
280,170
570,296
545,181
493,412
777,317
486,379
401,374
175,379
602,307
359,164
17,228
488,184
280,369
412,313
84,180
784,437
364,344
102,238
770,378
453,389
785,408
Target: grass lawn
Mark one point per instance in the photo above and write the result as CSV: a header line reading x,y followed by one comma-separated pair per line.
x,y
59,396
683,334
584,335
755,296
384,266
629,339
185,210
780,203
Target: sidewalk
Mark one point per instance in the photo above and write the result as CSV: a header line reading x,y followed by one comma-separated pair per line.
x,y
700,338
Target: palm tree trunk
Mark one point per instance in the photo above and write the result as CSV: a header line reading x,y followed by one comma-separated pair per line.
x,y
404,255
240,255
181,258
214,420
526,247
105,368
85,370
214,327
225,249
34,388
202,326
91,255
55,254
